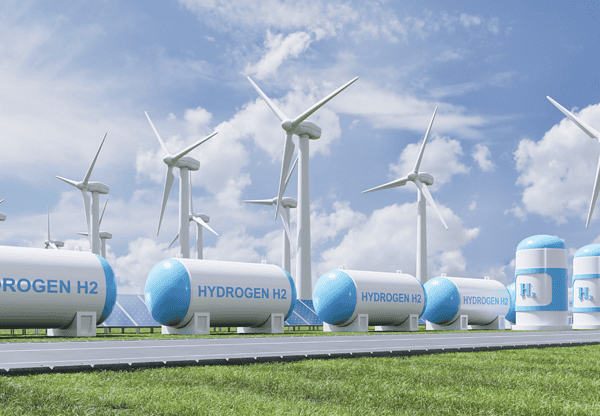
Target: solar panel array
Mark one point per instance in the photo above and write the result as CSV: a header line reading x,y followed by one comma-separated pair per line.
x,y
131,311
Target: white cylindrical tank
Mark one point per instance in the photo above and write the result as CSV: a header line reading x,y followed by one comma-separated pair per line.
x,y
541,284
235,294
46,288
448,298
340,296
586,287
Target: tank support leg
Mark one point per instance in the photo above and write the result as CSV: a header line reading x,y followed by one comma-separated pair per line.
x,y
198,325
274,325
84,325
360,324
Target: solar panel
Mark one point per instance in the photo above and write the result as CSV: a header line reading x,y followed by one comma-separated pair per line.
x,y
136,309
305,309
131,310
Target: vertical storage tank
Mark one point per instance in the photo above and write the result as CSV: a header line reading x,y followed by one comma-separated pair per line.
x,y
481,301
389,299
541,284
586,287
243,295
47,288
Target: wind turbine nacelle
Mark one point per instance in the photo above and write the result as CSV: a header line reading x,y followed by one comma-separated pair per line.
x,y
288,202
203,217
2,217
426,178
57,243
97,187
188,163
105,234
310,129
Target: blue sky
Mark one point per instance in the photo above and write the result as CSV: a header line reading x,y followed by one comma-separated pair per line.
x,y
507,164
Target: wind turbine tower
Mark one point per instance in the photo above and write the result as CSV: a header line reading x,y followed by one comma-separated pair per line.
x,y
104,235
201,220
305,130
594,134
286,204
421,180
96,188
55,244
2,216
185,164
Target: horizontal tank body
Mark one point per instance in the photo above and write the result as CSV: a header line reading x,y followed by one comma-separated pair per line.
x,y
235,294
46,288
482,300
340,296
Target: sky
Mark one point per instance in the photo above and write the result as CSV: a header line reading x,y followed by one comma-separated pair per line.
x,y
507,163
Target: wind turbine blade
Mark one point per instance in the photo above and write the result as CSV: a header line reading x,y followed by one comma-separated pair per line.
x,y
103,209
69,181
167,190
290,174
89,172
1,201
392,184
162,144
286,226
594,195
288,152
86,234
589,130
86,206
53,245
175,239
318,105
418,164
429,198
204,224
260,201
273,107
192,147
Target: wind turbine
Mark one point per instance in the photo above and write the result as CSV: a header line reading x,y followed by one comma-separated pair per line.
x,y
305,130
2,216
104,235
420,179
594,134
286,204
55,244
96,188
201,220
185,164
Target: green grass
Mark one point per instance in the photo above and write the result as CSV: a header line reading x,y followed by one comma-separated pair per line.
x,y
144,333
550,381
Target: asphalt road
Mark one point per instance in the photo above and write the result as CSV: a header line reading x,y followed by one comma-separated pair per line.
x,y
55,356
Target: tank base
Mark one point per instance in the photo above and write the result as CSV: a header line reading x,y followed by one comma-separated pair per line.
x,y
83,325
274,325
198,325
360,324
410,325
576,326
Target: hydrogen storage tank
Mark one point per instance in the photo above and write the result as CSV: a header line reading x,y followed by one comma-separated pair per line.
x,y
460,301
190,295
586,287
48,288
541,284
342,298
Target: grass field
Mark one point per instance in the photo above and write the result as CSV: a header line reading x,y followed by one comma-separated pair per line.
x,y
549,381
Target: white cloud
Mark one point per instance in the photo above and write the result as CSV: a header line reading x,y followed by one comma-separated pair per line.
x,y
278,50
386,241
472,205
482,155
441,159
468,20
557,171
